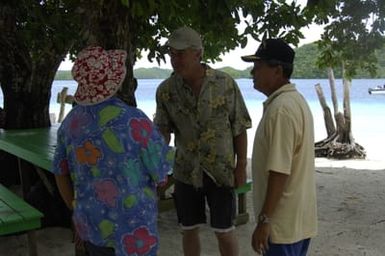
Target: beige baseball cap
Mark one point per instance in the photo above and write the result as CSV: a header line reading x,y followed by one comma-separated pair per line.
x,y
183,38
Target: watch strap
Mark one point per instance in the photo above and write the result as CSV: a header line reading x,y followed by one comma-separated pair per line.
x,y
263,219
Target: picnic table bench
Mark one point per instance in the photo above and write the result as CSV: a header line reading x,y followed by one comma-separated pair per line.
x,y
16,216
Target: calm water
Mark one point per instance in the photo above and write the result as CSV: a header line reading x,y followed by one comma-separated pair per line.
x,y
368,123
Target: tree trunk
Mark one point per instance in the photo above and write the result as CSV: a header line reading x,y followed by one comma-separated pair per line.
x,y
329,124
348,136
340,143
112,29
27,94
332,84
25,82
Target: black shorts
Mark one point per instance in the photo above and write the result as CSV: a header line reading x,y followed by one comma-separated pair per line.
x,y
190,205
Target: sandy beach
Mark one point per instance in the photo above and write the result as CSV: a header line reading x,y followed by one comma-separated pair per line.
x,y
351,215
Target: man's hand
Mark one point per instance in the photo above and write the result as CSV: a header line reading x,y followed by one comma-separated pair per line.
x,y
260,238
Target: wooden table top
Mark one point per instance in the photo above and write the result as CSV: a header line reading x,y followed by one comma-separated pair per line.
x,y
36,146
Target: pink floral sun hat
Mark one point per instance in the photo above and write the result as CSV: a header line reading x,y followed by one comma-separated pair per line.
x,y
99,74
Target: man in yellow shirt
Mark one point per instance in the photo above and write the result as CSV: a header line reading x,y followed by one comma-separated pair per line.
x,y
284,190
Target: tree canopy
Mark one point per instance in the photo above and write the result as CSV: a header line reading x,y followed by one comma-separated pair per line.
x,y
354,31
37,35
218,21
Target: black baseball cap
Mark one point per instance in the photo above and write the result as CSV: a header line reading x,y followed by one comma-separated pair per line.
x,y
272,49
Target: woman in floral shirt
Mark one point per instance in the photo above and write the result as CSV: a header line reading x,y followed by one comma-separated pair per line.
x,y
109,160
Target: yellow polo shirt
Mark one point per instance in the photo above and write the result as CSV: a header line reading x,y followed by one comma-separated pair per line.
x,y
284,143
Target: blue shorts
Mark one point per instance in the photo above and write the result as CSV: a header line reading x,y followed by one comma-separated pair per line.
x,y
190,203
296,249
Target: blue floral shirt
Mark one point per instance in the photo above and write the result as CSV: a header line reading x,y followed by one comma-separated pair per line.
x,y
115,157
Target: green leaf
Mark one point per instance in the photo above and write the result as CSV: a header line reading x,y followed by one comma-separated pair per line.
x,y
108,113
106,228
148,192
112,141
130,201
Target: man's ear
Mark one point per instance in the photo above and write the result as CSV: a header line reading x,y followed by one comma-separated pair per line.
x,y
279,70
199,54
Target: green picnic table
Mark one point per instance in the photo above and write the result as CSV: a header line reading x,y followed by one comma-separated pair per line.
x,y
37,147
15,214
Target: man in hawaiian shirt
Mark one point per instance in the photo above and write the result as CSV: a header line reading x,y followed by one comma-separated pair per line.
x,y
108,161
205,111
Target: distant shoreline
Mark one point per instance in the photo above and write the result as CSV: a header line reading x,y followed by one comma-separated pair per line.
x,y
305,67
158,73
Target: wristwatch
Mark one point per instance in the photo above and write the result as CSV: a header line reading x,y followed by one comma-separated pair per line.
x,y
263,219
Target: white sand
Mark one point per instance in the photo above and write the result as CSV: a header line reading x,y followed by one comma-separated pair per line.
x,y
351,205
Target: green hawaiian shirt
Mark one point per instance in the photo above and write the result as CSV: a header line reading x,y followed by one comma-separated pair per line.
x,y
204,126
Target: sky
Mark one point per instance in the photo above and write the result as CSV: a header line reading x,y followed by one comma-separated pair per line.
x,y
232,58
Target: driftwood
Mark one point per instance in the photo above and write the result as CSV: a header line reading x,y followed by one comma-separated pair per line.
x,y
339,143
331,148
63,98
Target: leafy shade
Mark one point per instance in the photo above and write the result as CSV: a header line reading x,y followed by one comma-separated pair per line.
x,y
354,30
218,21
